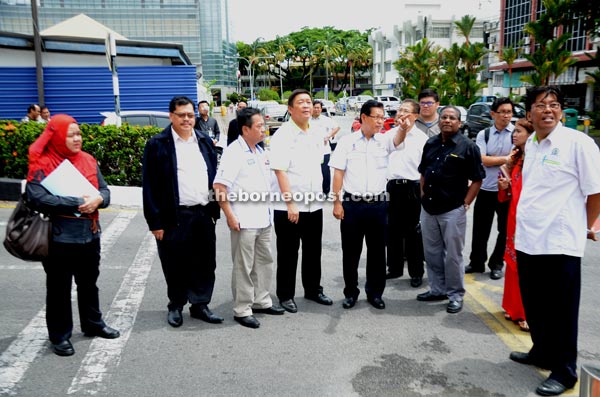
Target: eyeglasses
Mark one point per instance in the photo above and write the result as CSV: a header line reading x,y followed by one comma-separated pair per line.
x,y
540,107
377,118
184,115
426,104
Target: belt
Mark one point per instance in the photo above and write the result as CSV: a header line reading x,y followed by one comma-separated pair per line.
x,y
402,181
190,207
369,199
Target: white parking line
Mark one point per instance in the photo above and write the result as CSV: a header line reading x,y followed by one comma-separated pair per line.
x,y
19,355
104,355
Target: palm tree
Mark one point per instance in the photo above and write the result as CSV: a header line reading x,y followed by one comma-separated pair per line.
x,y
330,49
358,51
418,65
283,50
465,26
509,55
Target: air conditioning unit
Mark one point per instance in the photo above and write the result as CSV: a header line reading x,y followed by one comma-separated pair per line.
x,y
526,40
492,39
526,50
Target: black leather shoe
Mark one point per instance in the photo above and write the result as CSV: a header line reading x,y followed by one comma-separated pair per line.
x,y
391,275
247,321
416,282
205,314
174,318
454,307
64,348
496,274
106,333
550,387
376,302
349,302
472,269
274,310
320,298
430,297
289,305
525,358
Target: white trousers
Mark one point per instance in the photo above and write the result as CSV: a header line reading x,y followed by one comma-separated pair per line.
x,y
252,271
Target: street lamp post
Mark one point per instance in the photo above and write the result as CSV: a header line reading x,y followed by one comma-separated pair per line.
x,y
250,62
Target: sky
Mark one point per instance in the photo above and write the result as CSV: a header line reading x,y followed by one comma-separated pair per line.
x,y
252,19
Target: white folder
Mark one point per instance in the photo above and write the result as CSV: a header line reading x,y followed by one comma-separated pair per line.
x,y
66,180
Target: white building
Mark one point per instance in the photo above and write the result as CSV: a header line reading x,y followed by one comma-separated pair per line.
x,y
422,18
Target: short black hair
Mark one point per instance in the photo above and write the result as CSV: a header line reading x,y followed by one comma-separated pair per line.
x,y
534,92
317,102
31,107
368,105
454,108
428,92
502,101
202,101
295,93
242,100
244,118
179,101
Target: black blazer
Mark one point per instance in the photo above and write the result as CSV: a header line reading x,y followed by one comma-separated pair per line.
x,y
160,188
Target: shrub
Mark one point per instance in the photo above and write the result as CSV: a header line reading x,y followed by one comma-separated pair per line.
x,y
265,94
119,151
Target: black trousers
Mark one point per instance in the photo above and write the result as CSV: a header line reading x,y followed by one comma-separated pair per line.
x,y
65,262
364,221
187,254
309,230
486,206
551,290
403,229
326,171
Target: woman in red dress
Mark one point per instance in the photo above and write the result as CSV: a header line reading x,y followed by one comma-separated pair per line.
x,y
509,188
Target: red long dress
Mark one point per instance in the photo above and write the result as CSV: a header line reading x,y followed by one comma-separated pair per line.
x,y
511,301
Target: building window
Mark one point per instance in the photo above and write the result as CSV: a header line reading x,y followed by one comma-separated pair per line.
x,y
439,32
498,79
517,14
388,66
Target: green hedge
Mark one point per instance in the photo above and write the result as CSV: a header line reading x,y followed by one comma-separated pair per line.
x,y
119,151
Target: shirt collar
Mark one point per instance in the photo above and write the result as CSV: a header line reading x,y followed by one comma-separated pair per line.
x,y
176,136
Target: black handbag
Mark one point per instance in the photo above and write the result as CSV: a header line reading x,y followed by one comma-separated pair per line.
x,y
28,233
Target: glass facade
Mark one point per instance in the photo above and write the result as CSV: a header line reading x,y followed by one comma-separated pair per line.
x,y
202,26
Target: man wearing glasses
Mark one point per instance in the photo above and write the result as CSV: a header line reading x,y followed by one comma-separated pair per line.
x,y
428,120
179,167
495,144
360,163
450,160
559,203
404,207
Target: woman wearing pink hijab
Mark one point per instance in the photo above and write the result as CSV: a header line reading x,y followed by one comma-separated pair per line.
x,y
75,243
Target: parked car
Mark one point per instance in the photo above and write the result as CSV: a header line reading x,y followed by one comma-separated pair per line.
x,y
138,117
273,113
390,103
360,100
328,107
479,118
463,112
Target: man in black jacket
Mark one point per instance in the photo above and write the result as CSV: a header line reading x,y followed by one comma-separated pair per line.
x,y
179,167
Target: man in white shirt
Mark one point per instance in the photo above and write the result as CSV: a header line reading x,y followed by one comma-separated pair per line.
x,y
244,169
360,162
404,207
327,128
33,113
179,167
559,203
296,157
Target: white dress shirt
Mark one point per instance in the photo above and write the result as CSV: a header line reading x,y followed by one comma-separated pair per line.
x,y
404,161
192,173
244,172
300,155
558,174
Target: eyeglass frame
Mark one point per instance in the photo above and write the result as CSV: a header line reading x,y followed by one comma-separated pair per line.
x,y
377,118
183,114
541,106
